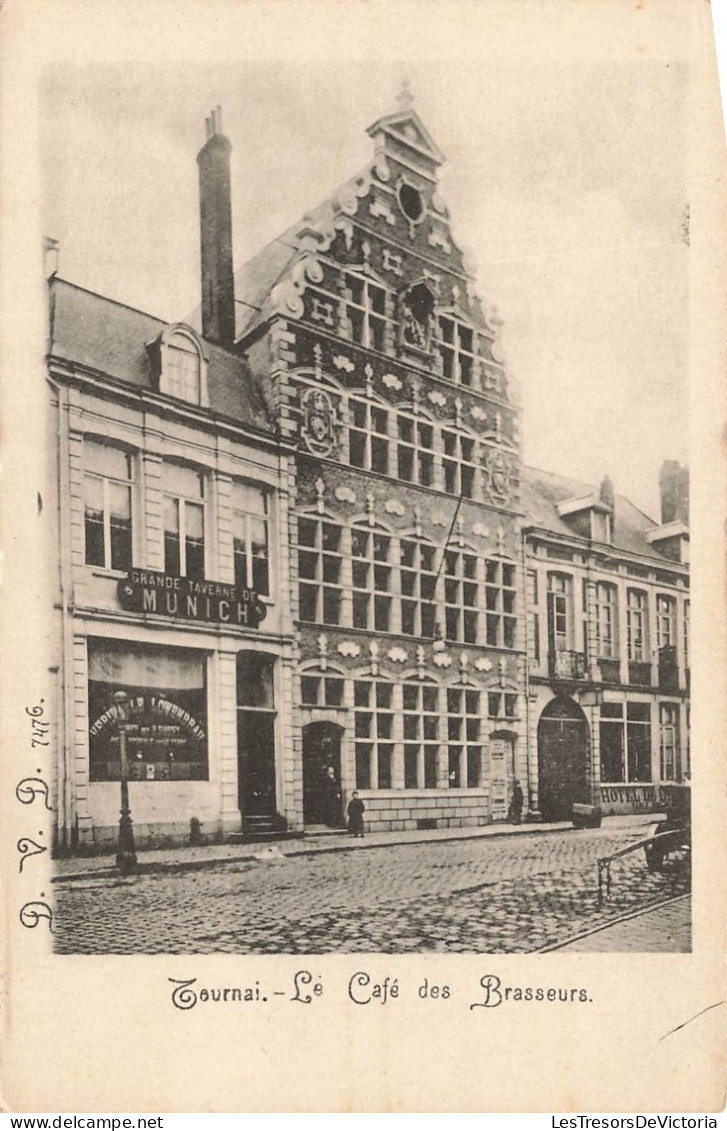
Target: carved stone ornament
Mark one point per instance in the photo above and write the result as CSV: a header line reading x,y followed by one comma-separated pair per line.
x,y
442,660
319,422
391,381
349,648
483,664
393,506
397,655
345,495
497,472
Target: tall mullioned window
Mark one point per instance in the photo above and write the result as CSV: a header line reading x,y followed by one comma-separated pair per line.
x,y
108,482
421,734
368,438
250,537
373,733
372,574
625,742
665,620
461,596
459,464
319,570
533,615
418,574
464,739
365,312
414,450
637,624
669,741
184,504
606,627
457,348
500,603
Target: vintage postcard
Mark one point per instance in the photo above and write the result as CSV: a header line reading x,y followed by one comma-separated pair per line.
x,y
363,397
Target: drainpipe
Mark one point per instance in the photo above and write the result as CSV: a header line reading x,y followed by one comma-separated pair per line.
x,y
65,784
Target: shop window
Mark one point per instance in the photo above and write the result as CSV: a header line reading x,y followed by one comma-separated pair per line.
x,y
418,575
250,541
184,503
500,603
108,482
373,733
371,574
421,734
625,742
165,716
669,741
368,439
415,450
319,571
464,740
459,464
365,312
256,732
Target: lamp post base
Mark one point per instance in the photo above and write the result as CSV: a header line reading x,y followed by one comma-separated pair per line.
x,y
126,856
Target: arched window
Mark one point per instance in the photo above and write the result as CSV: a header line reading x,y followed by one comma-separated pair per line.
x,y
183,365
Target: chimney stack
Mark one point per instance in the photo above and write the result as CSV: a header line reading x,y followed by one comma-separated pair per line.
x,y
218,288
607,496
674,488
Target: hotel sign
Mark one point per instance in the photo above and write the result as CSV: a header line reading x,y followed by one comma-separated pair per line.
x,y
183,598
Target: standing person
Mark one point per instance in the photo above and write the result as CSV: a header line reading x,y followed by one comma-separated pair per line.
x,y
356,809
516,805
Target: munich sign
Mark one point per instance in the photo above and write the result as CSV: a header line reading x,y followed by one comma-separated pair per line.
x,y
148,591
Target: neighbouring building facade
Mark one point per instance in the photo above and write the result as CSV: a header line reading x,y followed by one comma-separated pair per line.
x,y
172,504
295,536
607,597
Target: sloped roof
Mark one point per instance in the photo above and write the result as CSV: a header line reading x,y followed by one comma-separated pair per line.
x,y
98,333
541,491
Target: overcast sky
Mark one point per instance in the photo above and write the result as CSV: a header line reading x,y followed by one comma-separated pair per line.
x,y
566,183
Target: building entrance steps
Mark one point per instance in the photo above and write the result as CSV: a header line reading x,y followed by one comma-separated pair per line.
x,y
205,856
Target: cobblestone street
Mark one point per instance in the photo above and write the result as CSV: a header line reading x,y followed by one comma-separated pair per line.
x,y
492,895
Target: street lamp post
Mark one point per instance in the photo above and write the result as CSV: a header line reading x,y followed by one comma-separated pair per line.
x,y
126,855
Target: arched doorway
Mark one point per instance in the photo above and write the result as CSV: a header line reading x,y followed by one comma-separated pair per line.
x,y
322,801
563,741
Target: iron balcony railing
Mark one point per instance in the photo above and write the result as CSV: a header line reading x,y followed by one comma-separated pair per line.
x,y
567,665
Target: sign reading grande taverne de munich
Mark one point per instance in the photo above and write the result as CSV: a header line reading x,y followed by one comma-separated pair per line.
x,y
148,591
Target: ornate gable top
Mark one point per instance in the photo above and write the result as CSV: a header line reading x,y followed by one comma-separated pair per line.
x,y
406,129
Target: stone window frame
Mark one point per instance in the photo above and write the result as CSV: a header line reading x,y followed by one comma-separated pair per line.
x,y
375,441
423,457
378,737
377,592
248,517
185,501
462,584
605,596
322,556
368,329
324,681
666,620
637,625
193,345
459,362
108,482
460,471
422,744
500,602
416,598
466,748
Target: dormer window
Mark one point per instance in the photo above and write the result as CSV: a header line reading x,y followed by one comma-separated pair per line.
x,y
183,365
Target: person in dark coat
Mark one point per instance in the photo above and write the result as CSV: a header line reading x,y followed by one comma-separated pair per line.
x,y
356,809
516,805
